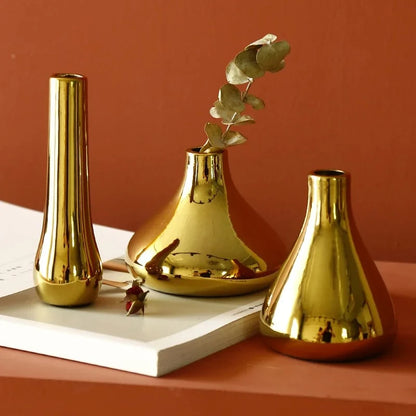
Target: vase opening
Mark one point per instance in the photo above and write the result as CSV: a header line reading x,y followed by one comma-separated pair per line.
x,y
328,172
197,150
65,75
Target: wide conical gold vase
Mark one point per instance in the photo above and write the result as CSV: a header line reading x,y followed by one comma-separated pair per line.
x,y
207,241
329,301
67,269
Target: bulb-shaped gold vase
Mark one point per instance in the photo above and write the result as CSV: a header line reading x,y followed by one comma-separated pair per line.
x,y
207,241
67,269
329,302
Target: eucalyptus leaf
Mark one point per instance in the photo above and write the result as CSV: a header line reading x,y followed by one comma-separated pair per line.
x,y
230,97
213,149
214,113
243,119
279,67
233,138
255,47
246,62
214,134
234,74
256,102
216,143
270,56
269,38
219,111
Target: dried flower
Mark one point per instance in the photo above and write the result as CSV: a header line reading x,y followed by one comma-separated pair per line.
x,y
135,298
265,54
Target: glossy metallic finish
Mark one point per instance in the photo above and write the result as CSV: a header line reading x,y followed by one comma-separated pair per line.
x,y
67,270
207,241
329,301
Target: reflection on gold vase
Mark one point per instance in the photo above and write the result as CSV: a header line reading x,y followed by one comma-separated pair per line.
x,y
207,241
67,270
329,301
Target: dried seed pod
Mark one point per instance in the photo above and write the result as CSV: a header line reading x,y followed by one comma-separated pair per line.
x,y
135,298
136,305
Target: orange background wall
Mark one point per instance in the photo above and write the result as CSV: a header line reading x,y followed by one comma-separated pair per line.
x,y
346,100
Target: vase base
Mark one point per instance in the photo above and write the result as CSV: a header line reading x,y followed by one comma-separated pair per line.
x,y
201,286
326,352
76,293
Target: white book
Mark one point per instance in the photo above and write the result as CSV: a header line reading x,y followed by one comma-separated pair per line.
x,y
173,332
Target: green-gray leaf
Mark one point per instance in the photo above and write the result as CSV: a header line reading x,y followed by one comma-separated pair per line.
x,y
269,57
244,119
269,38
279,67
219,111
256,102
230,97
233,138
246,62
214,134
234,74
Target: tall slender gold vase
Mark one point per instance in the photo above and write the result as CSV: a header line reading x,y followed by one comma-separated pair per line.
x,y
67,269
207,241
329,301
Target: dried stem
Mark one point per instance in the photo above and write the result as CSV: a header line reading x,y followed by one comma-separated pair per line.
x,y
206,145
243,97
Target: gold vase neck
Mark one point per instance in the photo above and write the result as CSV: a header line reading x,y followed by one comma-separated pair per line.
x,y
68,141
204,177
204,167
328,193
67,108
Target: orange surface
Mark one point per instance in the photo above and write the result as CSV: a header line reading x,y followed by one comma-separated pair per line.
x,y
242,380
345,100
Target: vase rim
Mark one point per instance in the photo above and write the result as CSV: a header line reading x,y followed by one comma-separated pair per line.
x,y
329,173
67,75
195,150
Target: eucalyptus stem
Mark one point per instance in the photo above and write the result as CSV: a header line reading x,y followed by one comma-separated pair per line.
x,y
263,55
244,93
243,97
205,147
